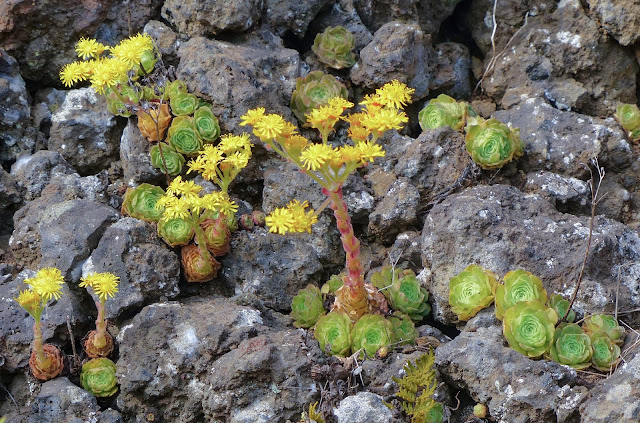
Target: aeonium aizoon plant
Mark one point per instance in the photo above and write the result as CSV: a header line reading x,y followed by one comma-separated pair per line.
x,y
491,143
519,285
471,290
99,343
571,346
529,327
98,376
444,111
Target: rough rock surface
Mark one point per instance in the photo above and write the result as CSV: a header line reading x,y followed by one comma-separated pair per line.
x,y
397,211
135,158
166,40
502,229
200,17
282,15
429,14
363,407
452,71
344,13
10,199
34,172
621,18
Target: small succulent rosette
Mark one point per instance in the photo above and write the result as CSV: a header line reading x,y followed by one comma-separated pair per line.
x,y
629,117
470,291
519,285
98,376
606,354
333,333
334,47
403,292
183,136
571,346
206,124
315,90
140,202
444,111
529,327
607,324
370,333
173,160
560,305
183,103
217,235
491,143
153,123
198,266
307,307
404,330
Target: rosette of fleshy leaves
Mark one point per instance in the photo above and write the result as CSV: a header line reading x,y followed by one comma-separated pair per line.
x,y
629,117
176,231
444,111
307,307
491,143
217,234
141,202
606,354
604,323
370,333
404,330
560,305
206,124
99,343
403,291
198,264
519,285
173,160
333,333
183,103
154,121
314,90
529,327
98,376
334,47
118,104
571,346
471,290
183,137
334,283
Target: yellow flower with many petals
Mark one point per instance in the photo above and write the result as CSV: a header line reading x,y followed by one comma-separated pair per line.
x,y
269,127
104,284
316,155
88,48
47,283
74,72
252,116
279,221
384,119
394,94
32,302
302,220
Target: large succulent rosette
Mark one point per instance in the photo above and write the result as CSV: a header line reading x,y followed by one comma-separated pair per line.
x,y
198,266
206,124
315,90
217,235
470,291
491,143
51,366
604,323
408,296
571,346
147,120
529,327
307,307
443,111
98,376
333,333
176,232
370,333
184,137
519,285
183,103
140,202
174,160
606,354
334,47
560,305
629,117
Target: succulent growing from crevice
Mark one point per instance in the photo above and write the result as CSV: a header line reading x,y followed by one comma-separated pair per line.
x,y
206,124
99,342
519,285
98,376
217,235
183,103
183,136
629,117
529,327
333,333
140,202
403,291
606,354
491,143
571,346
471,290
604,323
307,307
560,305
404,330
198,266
334,47
370,333
315,90
444,111
176,231
173,160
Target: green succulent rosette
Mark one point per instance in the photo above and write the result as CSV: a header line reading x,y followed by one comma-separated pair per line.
x,y
519,285
183,103
443,111
206,124
183,136
408,296
560,305
174,88
606,354
470,291
370,333
175,232
333,333
529,327
332,285
334,47
404,330
385,277
491,143
629,117
307,307
174,160
315,90
115,105
140,202
434,414
604,323
98,376
571,346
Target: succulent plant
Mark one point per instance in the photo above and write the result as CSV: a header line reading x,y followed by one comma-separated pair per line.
x,y
444,111
154,122
98,348
604,323
404,330
246,222
629,117
408,296
183,136
519,285
174,160
183,103
334,283
334,47
371,332
560,305
217,235
174,88
197,266
333,333
470,291
529,327
434,414
148,60
140,202
258,218
115,105
491,143
98,376
307,307
175,231
571,346
206,124
48,368
314,90
606,354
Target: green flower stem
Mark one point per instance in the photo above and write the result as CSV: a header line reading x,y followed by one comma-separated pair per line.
x,y
37,344
101,326
201,241
298,163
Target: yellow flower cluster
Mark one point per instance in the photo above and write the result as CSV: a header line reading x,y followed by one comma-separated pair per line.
x,y
88,48
103,284
45,285
292,218
325,117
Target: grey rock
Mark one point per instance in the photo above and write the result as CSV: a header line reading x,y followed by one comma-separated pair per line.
x,y
135,158
84,132
166,40
398,51
344,13
429,14
47,101
10,200
515,388
453,71
236,78
198,17
149,271
621,18
35,171
564,192
407,251
283,15
363,407
397,211
502,229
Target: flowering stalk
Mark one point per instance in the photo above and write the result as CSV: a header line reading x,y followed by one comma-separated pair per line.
x,y
99,343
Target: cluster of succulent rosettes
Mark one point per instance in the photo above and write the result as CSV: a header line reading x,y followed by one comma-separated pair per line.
x,y
518,285
334,47
46,361
445,111
491,143
471,290
629,117
315,89
403,291
98,376
99,343
249,221
307,307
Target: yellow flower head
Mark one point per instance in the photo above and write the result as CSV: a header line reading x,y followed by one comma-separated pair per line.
x,y
252,116
47,283
294,144
302,221
325,117
74,72
103,284
368,151
381,120
289,130
183,188
30,301
107,73
269,127
174,207
279,221
231,143
393,94
89,48
316,155
132,49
